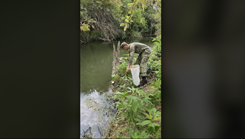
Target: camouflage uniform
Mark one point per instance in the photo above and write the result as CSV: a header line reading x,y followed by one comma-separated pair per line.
x,y
144,52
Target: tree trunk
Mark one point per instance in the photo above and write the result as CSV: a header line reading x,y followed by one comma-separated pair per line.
x,y
116,55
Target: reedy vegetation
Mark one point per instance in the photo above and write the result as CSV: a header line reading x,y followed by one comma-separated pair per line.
x,y
139,111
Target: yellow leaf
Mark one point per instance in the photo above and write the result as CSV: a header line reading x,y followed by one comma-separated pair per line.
x,y
85,27
125,27
130,4
122,24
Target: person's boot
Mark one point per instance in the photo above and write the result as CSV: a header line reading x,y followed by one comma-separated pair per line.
x,y
143,82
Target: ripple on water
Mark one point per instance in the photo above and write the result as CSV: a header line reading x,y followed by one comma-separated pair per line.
x,y
92,108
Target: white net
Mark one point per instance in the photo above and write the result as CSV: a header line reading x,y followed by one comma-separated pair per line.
x,y
135,70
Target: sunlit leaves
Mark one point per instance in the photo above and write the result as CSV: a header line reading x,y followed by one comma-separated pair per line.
x,y
126,25
132,9
84,27
130,4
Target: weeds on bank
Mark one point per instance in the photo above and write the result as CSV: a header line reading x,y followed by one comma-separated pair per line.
x,y
137,109
137,112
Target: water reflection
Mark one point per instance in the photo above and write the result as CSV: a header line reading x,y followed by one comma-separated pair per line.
x,y
94,110
96,67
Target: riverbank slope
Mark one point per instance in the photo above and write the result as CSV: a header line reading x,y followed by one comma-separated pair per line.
x,y
139,108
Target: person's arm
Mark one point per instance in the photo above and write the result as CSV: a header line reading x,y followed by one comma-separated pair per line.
x,y
131,55
131,58
128,68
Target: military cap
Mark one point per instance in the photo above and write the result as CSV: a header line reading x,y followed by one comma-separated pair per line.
x,y
124,43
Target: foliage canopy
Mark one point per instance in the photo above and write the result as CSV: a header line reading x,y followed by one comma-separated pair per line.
x,y
116,19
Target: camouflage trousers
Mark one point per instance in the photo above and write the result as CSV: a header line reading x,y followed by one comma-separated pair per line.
x,y
142,61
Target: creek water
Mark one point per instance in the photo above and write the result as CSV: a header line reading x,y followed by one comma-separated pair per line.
x,y
96,110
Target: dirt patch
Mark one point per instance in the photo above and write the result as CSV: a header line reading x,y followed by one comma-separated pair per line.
x,y
117,130
146,88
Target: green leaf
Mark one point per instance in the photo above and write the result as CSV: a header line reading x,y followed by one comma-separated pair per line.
x,y
131,116
125,93
143,134
157,128
130,4
134,106
152,111
148,116
138,120
146,100
151,129
122,24
130,130
158,113
129,99
146,122
141,118
98,2
120,95
154,124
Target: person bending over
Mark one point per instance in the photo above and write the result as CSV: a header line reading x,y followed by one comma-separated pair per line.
x,y
144,52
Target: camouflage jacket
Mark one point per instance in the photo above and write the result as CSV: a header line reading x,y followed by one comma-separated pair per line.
x,y
136,47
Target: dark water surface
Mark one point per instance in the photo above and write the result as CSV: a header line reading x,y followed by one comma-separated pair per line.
x,y
96,68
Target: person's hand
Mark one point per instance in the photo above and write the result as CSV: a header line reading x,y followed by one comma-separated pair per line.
x,y
128,69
